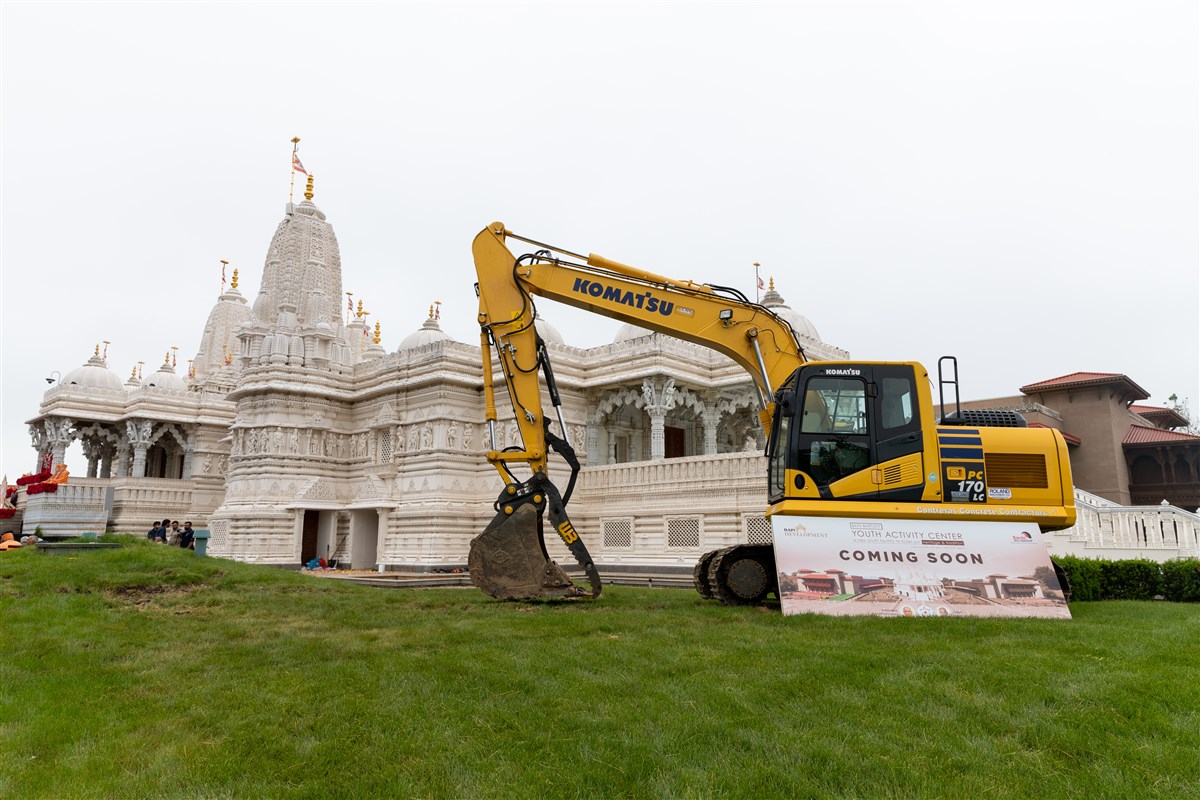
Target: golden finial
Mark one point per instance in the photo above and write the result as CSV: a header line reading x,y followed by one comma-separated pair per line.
x,y
133,372
377,332
234,282
97,353
772,283
431,311
295,140
308,190
361,311
167,359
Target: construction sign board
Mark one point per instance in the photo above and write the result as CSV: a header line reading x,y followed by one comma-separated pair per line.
x,y
914,568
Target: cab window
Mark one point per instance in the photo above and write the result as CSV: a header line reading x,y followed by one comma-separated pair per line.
x,y
835,405
835,427
895,403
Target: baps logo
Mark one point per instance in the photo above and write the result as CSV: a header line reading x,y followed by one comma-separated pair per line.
x,y
567,532
645,301
1023,536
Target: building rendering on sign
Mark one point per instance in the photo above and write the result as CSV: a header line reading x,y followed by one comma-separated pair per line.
x,y
294,434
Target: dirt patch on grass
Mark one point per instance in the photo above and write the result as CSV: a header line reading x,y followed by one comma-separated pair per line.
x,y
152,595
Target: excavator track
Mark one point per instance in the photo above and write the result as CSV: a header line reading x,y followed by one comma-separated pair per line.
x,y
700,575
740,575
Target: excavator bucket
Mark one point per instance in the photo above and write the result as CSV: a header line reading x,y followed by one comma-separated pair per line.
x,y
509,560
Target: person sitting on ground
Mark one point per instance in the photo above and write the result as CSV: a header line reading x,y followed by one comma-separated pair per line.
x,y
187,538
154,532
174,534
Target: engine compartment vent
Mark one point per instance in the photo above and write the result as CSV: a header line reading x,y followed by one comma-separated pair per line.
x,y
985,418
1016,470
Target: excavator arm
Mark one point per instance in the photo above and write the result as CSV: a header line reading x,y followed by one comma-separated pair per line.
x,y
509,560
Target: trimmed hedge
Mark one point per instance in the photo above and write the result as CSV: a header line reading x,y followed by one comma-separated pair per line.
x,y
1135,579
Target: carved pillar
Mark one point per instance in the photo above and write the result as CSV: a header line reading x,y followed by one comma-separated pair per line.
x,y
139,438
189,457
106,459
93,459
59,436
658,402
711,419
123,461
658,441
612,448
381,534
139,461
593,442
39,444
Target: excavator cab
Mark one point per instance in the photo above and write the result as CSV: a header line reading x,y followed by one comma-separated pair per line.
x,y
834,423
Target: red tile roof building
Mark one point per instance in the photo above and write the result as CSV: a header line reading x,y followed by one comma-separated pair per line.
x,y
1120,450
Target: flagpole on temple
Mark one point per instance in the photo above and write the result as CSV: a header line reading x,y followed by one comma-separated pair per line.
x,y
224,264
757,282
292,167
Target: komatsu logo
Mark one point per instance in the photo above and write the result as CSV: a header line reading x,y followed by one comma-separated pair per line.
x,y
843,372
645,301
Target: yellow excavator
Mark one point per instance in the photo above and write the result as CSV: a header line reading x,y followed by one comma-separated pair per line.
x,y
844,439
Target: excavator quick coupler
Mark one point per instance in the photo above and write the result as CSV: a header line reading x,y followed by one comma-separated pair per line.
x,y
509,560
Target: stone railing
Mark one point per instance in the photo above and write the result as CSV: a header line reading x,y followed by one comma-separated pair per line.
x,y
139,501
717,470
164,493
1106,530
76,507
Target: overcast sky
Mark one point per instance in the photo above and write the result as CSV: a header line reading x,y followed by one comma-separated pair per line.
x,y
1014,184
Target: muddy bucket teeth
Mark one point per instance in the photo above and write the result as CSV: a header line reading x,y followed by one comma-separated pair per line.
x,y
509,561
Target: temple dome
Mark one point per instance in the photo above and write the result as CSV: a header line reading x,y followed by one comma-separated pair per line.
x,y
800,323
428,333
548,332
165,378
93,375
630,331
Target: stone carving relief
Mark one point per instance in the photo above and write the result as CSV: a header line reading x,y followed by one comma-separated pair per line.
x,y
320,490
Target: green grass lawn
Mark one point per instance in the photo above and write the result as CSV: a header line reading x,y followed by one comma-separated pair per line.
x,y
146,672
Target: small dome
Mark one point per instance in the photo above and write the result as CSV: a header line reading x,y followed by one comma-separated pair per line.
x,y
800,323
93,375
429,333
548,332
165,378
630,331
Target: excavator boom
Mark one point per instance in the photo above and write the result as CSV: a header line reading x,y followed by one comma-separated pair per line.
x,y
509,559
